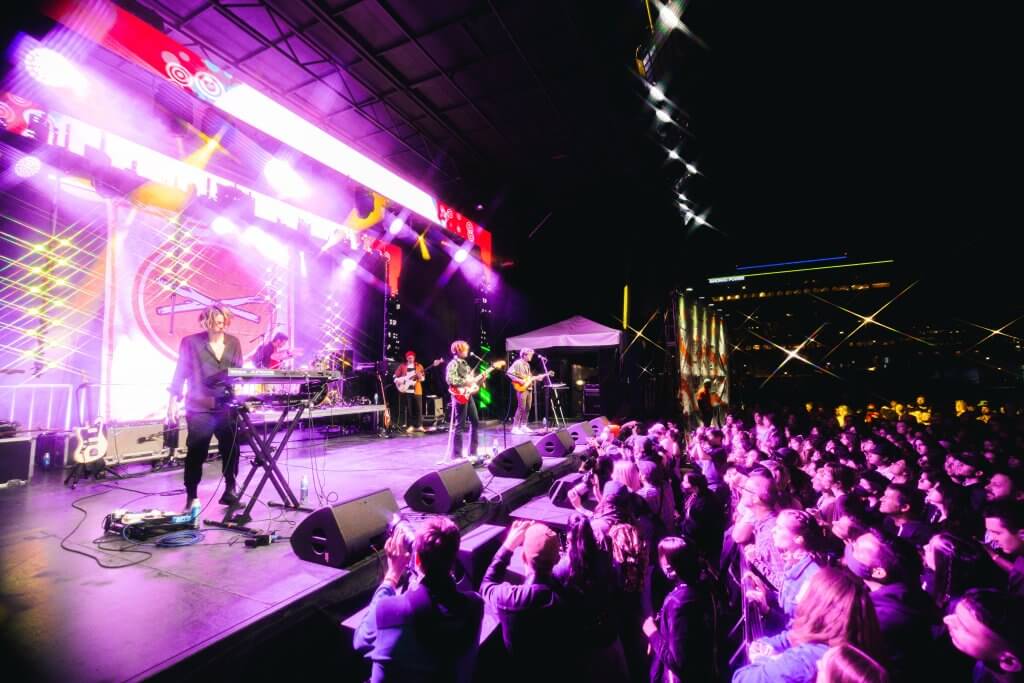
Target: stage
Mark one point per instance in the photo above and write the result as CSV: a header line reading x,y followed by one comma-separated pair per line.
x,y
210,609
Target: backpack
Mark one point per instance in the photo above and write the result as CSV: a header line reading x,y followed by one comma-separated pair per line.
x,y
630,554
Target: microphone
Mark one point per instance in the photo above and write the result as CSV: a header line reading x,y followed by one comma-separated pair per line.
x,y
542,356
475,356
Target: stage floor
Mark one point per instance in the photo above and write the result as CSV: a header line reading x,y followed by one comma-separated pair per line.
x,y
76,621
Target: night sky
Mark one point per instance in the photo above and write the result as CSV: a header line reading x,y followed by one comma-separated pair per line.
x,y
821,129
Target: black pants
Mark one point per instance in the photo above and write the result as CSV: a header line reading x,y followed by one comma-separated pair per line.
x,y
201,428
413,410
462,411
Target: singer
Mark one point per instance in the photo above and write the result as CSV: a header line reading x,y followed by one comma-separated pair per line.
x,y
522,381
461,381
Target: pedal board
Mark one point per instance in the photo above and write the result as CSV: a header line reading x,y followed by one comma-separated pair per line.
x,y
141,526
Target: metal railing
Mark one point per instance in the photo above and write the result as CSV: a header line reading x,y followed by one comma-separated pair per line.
x,y
38,407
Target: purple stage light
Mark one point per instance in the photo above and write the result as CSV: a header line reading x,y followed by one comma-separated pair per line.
x,y
396,227
285,181
348,265
27,166
53,69
460,255
223,226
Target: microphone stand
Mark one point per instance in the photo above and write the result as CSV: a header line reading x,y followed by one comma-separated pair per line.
x,y
553,400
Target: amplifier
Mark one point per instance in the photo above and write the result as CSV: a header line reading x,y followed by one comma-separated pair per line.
x,y
17,458
142,441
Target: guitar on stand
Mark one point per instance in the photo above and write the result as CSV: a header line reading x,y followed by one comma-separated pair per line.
x,y
90,451
387,411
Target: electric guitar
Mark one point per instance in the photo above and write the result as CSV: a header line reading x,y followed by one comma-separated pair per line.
x,y
464,393
279,357
406,383
521,384
92,444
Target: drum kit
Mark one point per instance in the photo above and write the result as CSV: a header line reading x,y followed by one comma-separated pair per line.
x,y
334,360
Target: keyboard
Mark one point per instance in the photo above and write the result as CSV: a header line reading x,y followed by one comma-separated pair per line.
x,y
265,376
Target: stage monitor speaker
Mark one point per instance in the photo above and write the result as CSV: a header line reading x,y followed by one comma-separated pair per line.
x,y
580,432
517,462
598,423
341,534
17,458
556,444
559,491
444,490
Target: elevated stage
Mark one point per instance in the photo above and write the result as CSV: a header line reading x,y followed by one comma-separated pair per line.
x,y
217,610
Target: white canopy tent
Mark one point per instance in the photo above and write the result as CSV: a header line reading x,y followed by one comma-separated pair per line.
x,y
577,331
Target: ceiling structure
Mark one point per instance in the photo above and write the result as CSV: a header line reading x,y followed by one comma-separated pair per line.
x,y
458,95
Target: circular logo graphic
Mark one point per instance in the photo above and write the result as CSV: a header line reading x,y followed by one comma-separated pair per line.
x,y
167,296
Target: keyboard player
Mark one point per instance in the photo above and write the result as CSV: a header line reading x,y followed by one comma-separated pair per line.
x,y
201,357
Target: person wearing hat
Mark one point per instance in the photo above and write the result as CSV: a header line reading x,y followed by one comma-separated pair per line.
x,y
413,395
534,617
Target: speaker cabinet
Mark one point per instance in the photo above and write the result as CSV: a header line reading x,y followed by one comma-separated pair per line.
x,y
17,458
598,423
559,491
517,462
341,534
444,490
580,432
556,444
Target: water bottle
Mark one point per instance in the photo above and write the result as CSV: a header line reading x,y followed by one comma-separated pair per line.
x,y
304,489
194,511
46,461
376,398
544,423
494,448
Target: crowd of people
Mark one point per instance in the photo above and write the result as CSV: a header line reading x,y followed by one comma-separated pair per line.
x,y
785,546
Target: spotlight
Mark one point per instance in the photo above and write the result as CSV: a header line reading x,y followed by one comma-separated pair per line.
x,y
663,115
53,69
27,166
690,168
223,226
348,265
396,226
284,179
460,255
656,93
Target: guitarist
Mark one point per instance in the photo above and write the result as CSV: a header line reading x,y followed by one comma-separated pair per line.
x,y
413,397
200,357
459,374
521,374
270,355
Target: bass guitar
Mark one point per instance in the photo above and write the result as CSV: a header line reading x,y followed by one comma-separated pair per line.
x,y
521,384
406,383
92,444
464,393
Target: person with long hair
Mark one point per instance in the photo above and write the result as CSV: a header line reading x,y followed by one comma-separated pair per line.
x,y
848,664
836,610
682,634
588,580
953,565
798,538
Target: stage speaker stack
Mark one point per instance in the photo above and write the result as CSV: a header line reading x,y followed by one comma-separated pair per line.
x,y
518,462
556,444
339,535
445,490
580,432
598,423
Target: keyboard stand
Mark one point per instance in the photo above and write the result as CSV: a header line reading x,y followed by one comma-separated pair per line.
x,y
265,456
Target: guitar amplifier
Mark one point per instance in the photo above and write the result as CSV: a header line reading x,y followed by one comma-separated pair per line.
x,y
142,441
17,458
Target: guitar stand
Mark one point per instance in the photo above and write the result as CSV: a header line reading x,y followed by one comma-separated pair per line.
x,y
265,456
552,395
82,470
